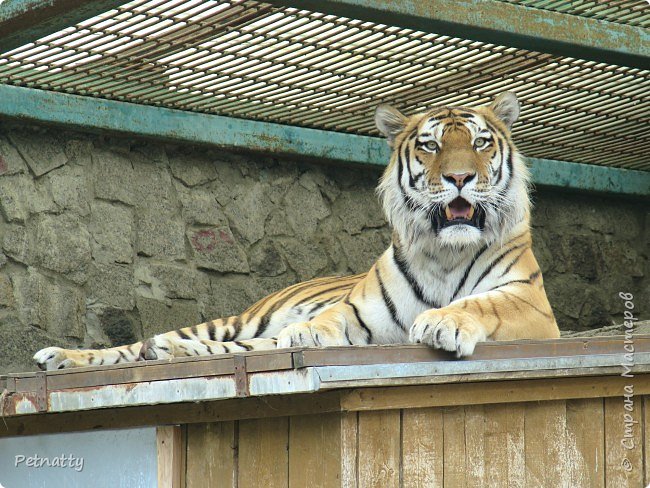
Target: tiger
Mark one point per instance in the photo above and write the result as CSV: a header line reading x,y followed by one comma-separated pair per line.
x,y
459,269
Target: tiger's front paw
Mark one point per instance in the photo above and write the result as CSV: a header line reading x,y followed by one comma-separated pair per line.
x,y
52,358
452,330
306,334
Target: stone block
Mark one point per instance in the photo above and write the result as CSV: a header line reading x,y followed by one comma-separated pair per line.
x,y
20,197
248,211
305,258
160,317
17,243
42,153
19,343
192,169
112,285
119,327
114,177
57,308
63,245
160,281
200,207
159,232
231,295
69,188
111,227
364,249
6,291
266,260
305,207
10,160
358,210
216,248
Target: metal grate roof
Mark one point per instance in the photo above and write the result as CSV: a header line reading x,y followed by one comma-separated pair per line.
x,y
253,60
630,12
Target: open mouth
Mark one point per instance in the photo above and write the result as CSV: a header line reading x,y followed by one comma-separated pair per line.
x,y
459,212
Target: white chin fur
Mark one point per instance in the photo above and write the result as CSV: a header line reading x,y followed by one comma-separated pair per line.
x,y
459,235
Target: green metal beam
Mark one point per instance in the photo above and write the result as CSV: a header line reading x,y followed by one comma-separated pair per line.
x,y
99,115
24,21
503,23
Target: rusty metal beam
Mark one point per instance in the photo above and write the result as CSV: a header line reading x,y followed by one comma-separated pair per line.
x,y
501,23
98,115
24,21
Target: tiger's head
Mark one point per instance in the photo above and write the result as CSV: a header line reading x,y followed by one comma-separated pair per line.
x,y
455,178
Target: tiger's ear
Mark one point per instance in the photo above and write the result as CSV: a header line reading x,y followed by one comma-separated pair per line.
x,y
390,121
506,108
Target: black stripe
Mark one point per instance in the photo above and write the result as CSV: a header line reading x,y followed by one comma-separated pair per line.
x,y
500,173
387,300
467,271
512,263
403,266
195,331
491,266
225,348
361,323
212,331
183,335
245,346
266,318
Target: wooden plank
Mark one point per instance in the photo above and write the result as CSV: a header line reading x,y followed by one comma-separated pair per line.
x,y
413,353
504,445
186,413
349,449
486,393
646,439
379,449
170,444
157,372
263,453
315,450
623,443
475,452
585,443
422,447
211,455
545,444
454,453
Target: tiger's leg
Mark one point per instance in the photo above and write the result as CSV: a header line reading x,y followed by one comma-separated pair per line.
x,y
161,347
224,330
52,358
507,313
337,326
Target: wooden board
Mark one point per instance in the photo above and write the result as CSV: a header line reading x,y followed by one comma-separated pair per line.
x,y
379,449
170,445
422,447
314,450
624,462
212,454
263,453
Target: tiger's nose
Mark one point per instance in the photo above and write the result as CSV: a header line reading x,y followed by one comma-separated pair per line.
x,y
459,179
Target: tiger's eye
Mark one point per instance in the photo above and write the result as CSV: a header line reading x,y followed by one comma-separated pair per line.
x,y
431,145
481,142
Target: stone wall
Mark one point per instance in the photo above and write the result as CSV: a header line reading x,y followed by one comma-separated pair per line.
x,y
109,240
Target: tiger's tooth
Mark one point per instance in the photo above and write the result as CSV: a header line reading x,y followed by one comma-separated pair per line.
x,y
471,212
448,213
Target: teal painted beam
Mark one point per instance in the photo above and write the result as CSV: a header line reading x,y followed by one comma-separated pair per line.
x,y
503,23
24,21
99,115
